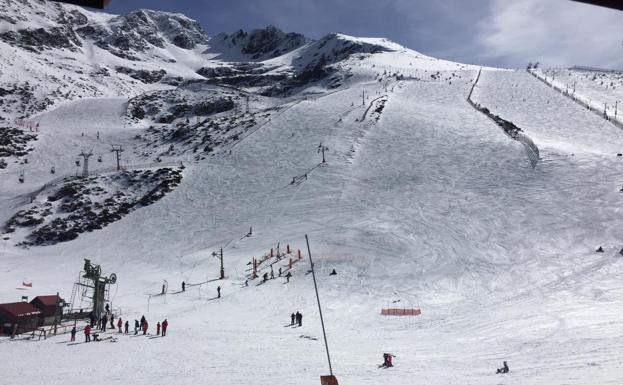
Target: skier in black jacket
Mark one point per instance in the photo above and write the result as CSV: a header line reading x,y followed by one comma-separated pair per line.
x,y
299,318
504,369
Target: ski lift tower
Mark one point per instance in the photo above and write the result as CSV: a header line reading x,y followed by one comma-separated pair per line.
x,y
85,165
91,289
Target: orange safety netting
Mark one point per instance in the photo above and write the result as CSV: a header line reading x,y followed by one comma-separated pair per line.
x,y
401,312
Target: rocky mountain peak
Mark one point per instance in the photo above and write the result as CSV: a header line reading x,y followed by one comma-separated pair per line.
x,y
260,44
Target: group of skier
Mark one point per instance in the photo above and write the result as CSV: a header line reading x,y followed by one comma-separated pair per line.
x,y
144,325
121,327
296,319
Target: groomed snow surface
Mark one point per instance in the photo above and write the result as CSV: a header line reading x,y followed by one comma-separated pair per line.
x,y
432,205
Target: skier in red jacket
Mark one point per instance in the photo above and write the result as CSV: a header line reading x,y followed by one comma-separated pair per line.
x,y
119,324
145,325
87,333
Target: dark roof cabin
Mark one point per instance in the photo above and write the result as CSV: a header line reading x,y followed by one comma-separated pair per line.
x,y
48,305
18,317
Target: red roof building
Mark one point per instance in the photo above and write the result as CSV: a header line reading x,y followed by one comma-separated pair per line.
x,y
18,317
51,306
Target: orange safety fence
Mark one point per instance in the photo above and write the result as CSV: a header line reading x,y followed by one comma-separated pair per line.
x,y
411,311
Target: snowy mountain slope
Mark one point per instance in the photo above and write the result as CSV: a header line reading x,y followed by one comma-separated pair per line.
x,y
422,199
60,52
436,205
598,89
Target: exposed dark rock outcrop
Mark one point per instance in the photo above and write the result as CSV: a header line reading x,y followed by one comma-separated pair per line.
x,y
142,75
259,44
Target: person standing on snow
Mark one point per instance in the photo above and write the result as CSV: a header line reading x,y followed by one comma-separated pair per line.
x,y
142,322
112,321
87,333
127,326
218,291
92,321
183,286
165,324
73,334
145,326
299,318
119,325
292,317
288,276
136,326
158,328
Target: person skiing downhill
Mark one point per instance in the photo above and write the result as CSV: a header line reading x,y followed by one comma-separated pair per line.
x,y
387,360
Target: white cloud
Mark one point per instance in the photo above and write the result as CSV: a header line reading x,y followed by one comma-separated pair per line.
x,y
555,32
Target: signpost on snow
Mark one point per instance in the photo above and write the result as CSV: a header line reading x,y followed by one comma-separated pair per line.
x,y
322,149
215,254
222,268
324,380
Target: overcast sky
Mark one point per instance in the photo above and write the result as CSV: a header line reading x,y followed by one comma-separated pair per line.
x,y
503,33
